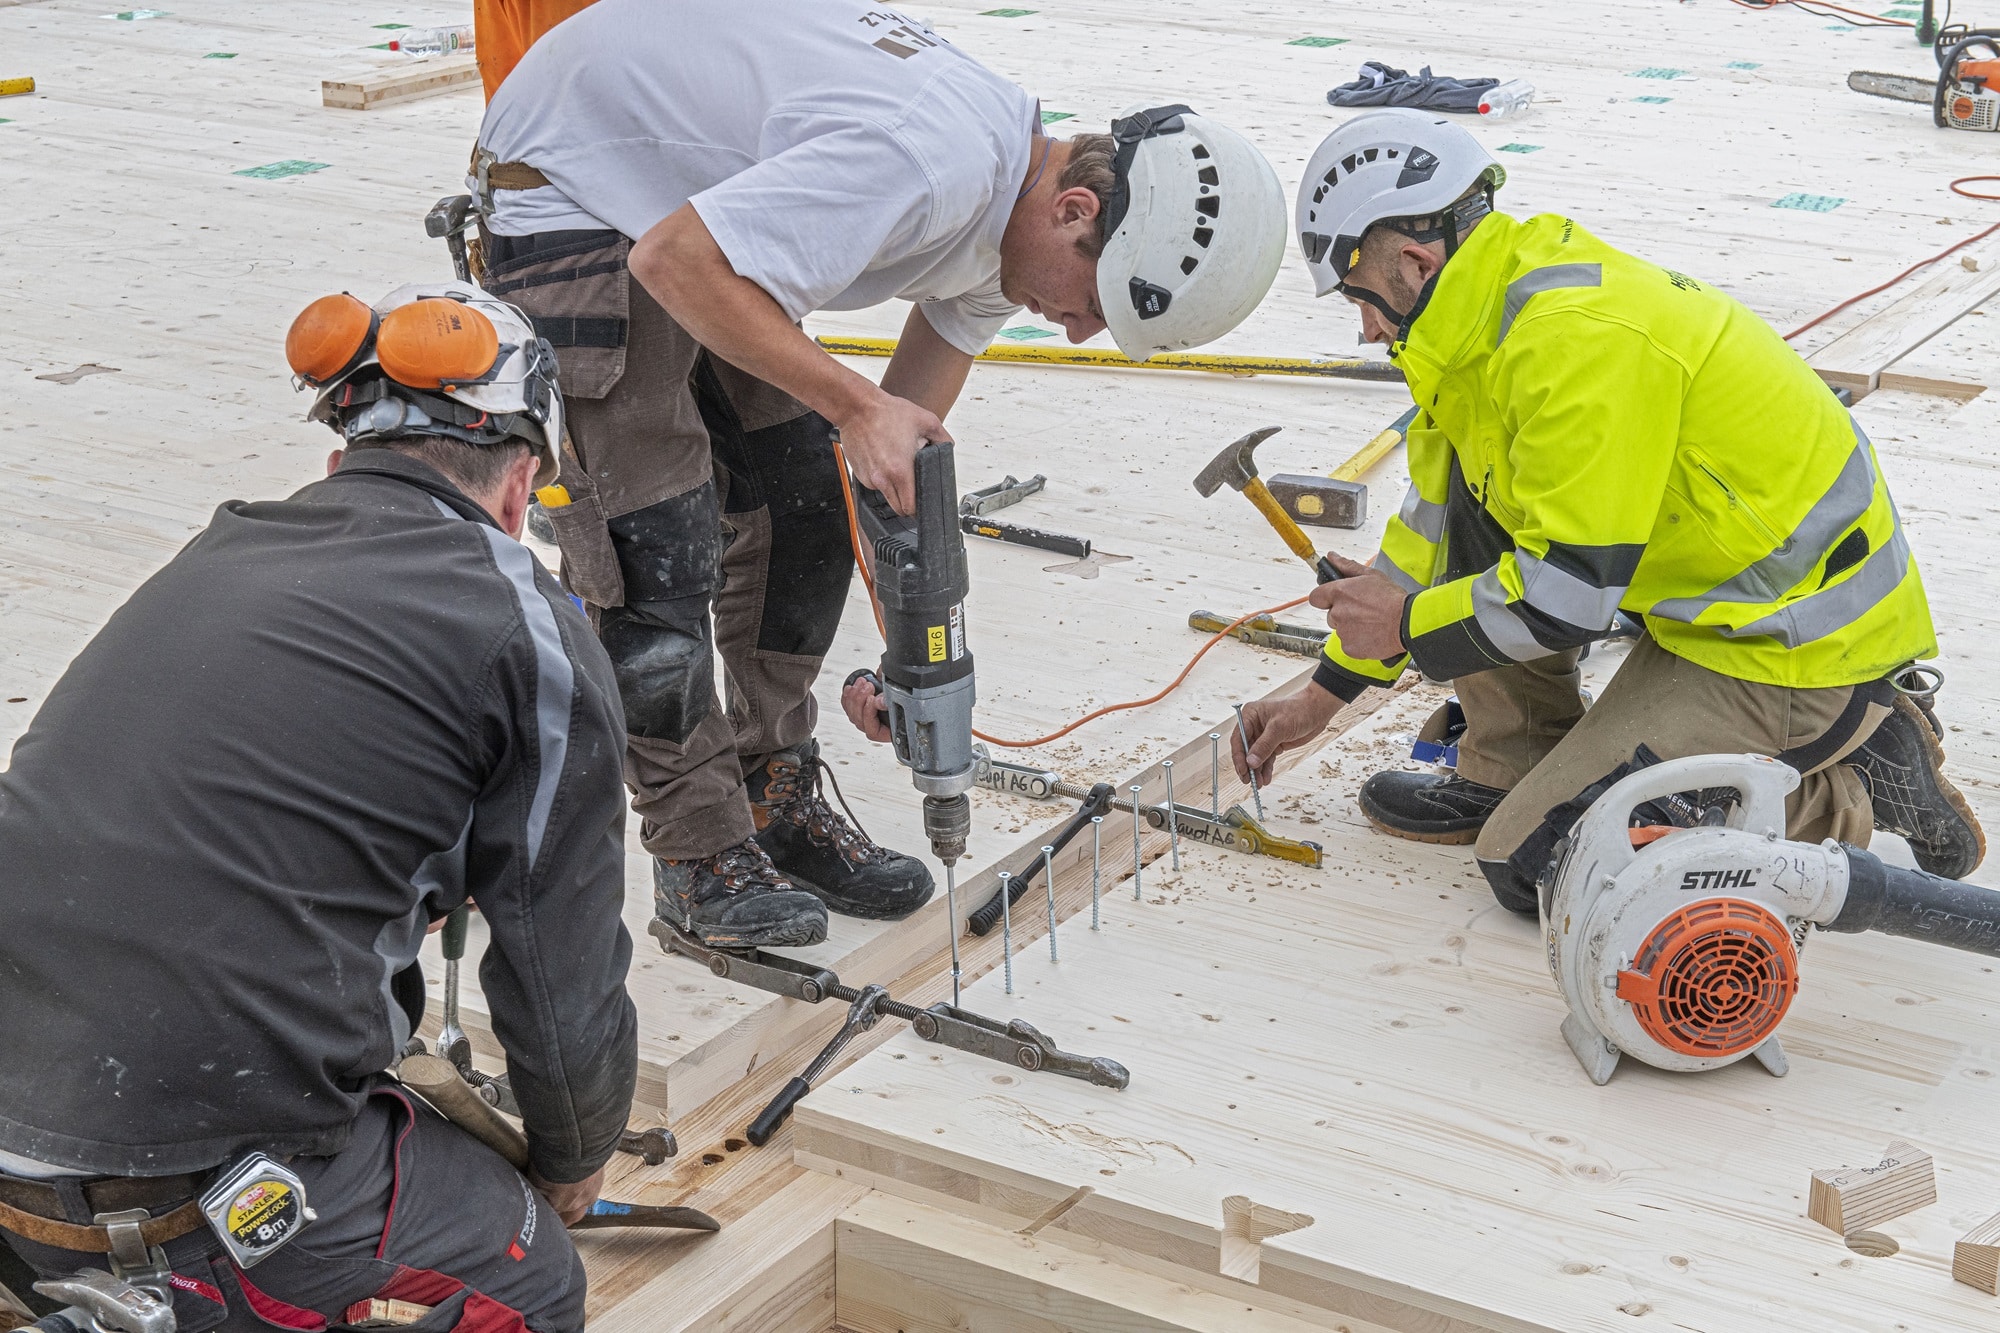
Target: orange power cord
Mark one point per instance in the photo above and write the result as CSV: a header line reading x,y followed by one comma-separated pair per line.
x,y
1956,188
868,580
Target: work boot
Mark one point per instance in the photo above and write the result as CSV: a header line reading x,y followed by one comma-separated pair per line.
x,y
1902,763
736,899
818,850
1428,807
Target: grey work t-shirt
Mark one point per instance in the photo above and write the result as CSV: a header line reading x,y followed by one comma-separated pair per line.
x,y
840,154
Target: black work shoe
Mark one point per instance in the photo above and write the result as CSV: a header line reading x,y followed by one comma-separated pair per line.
x,y
736,899
1428,807
1902,763
819,850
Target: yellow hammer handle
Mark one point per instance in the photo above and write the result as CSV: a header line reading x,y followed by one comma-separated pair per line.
x,y
1295,537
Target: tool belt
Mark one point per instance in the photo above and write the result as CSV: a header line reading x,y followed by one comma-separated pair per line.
x,y
43,1211
507,175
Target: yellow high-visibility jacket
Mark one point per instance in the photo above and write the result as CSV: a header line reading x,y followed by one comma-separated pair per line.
x,y
1647,443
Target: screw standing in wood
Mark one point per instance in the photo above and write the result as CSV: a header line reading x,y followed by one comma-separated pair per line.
x,y
1006,930
1173,823
1096,858
951,924
1049,878
1215,775
1136,897
1255,794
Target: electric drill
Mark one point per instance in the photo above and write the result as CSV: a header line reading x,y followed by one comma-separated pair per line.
x,y
926,676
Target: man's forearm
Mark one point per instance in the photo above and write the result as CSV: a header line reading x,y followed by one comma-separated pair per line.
x,y
681,267
926,369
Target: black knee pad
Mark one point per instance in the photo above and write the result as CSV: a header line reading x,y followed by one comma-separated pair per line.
x,y
664,662
810,568
671,551
1515,893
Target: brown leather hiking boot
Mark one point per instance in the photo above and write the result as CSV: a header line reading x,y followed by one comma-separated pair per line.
x,y
736,899
818,850
1903,764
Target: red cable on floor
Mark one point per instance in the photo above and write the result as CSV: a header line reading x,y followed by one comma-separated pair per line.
x,y
1921,263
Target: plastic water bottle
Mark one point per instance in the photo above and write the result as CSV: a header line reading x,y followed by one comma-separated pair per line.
x,y
433,41
1510,98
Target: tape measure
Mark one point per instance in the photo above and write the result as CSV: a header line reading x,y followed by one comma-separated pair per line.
x,y
256,1208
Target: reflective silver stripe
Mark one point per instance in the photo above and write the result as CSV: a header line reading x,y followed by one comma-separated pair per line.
x,y
1385,565
1422,517
1833,609
555,678
1845,503
1509,633
1544,280
1565,596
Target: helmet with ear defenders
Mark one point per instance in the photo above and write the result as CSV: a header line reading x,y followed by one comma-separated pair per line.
x,y
442,358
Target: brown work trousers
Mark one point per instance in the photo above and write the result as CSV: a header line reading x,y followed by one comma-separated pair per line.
x,y
1529,734
705,515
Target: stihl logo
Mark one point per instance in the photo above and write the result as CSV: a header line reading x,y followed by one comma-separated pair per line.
x,y
1720,879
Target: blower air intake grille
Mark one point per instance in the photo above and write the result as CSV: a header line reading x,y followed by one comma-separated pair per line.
x,y
1713,978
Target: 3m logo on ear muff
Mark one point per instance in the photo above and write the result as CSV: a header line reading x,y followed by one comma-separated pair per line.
x,y
430,343
330,336
426,344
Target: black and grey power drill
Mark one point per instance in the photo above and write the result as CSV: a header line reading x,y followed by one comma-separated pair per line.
x,y
926,674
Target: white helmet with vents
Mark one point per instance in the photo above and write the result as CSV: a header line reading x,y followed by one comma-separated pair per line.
x,y
1194,231
1396,164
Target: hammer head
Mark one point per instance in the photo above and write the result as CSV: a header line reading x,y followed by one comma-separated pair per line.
x,y
1234,464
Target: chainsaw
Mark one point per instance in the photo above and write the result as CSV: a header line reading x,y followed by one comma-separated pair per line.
x,y
1680,946
1962,96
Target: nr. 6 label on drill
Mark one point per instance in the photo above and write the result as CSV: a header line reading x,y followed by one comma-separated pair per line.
x,y
934,642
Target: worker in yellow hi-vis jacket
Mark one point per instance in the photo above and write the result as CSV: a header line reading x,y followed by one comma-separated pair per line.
x,y
1597,433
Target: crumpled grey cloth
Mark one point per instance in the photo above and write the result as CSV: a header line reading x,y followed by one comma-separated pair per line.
x,y
1382,85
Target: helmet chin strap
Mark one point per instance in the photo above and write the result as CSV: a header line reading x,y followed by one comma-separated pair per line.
x,y
1450,222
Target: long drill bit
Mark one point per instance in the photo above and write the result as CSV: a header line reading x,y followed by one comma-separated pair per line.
x,y
951,924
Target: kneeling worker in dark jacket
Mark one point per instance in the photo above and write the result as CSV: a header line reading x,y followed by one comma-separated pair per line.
x,y
321,727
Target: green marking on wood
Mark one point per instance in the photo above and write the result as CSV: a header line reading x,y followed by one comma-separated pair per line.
x,y
1005,13
1026,332
220,55
5,121
272,171
1653,101
392,27
1744,64
1051,117
1317,41
1810,203
1657,72
1520,148
134,15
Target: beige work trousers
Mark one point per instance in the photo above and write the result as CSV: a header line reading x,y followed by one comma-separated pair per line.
x,y
1528,733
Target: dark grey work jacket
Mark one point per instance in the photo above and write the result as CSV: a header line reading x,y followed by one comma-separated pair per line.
x,y
320,727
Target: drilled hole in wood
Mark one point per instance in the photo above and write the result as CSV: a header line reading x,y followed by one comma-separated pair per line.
x,y
734,1145
1872,1244
710,1158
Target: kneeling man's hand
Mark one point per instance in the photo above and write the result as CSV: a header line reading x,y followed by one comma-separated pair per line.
x,y
1364,607
1277,725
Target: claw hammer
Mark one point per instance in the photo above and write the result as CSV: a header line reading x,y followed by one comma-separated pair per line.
x,y
1236,466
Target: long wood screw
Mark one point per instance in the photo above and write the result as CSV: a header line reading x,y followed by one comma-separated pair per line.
x,y
1006,930
1049,878
1215,776
1096,859
1255,794
1173,823
1136,895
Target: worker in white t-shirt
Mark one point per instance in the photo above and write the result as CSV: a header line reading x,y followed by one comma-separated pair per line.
x,y
668,189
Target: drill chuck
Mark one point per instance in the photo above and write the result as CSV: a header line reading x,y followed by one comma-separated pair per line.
x,y
947,823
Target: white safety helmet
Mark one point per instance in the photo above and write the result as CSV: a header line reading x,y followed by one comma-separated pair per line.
x,y
430,358
1194,231
1396,165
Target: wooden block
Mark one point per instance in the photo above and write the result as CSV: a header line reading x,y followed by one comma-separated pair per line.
x,y
1975,1259
1857,358
1852,1199
421,78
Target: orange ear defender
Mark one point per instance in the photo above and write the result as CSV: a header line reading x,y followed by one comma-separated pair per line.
x,y
328,337
430,343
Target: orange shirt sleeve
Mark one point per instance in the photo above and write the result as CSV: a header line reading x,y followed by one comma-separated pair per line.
x,y
505,29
